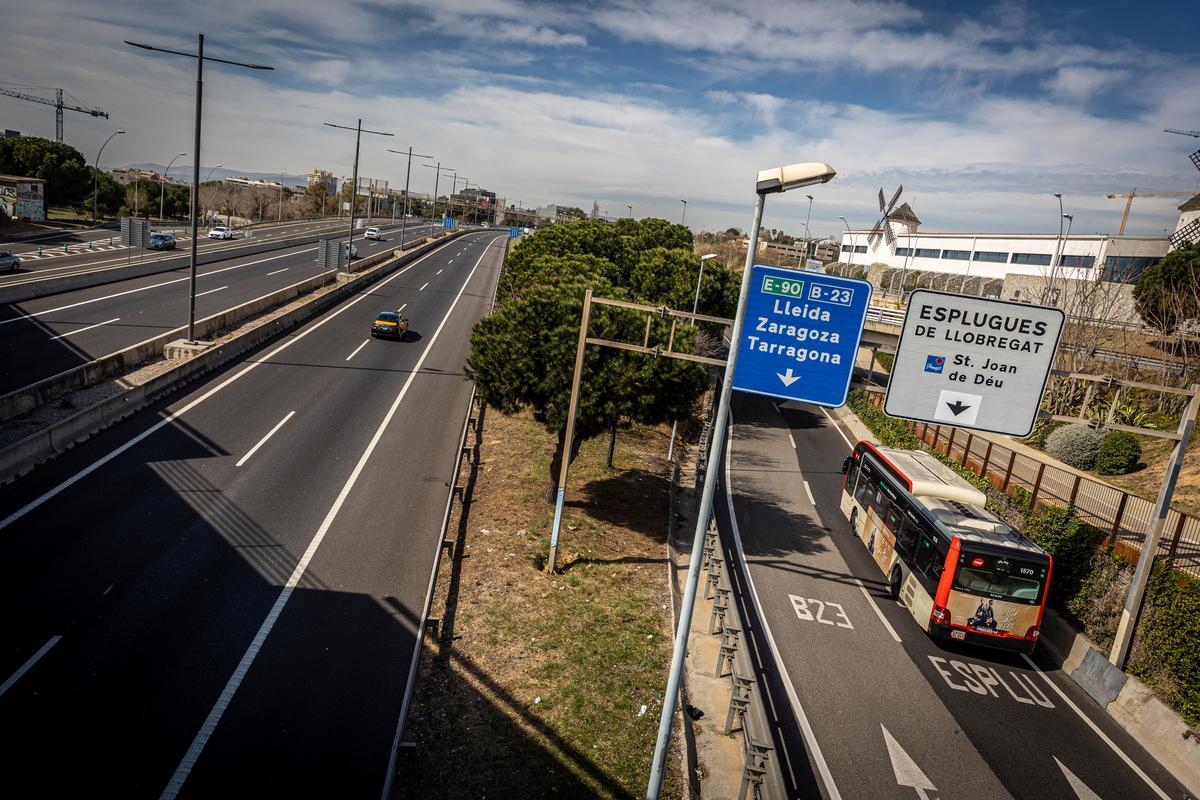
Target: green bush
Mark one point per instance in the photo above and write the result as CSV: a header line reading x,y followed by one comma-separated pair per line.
x,y
885,360
1071,542
1118,454
1166,651
1097,604
891,432
1075,445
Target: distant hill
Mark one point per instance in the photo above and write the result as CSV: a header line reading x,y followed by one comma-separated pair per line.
x,y
183,173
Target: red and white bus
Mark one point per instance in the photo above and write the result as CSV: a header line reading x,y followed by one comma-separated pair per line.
x,y
962,572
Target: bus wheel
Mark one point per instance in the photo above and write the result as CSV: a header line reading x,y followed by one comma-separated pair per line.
x,y
894,583
854,521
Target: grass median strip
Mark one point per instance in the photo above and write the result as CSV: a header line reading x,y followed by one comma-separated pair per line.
x,y
547,685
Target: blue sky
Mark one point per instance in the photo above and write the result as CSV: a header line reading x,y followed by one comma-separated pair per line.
x,y
982,111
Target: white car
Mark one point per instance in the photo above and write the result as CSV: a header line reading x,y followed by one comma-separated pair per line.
x,y
373,233
220,232
353,249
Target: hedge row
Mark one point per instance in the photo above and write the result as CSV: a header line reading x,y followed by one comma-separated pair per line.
x,y
1090,581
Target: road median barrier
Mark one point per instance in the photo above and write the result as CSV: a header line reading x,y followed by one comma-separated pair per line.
x,y
46,444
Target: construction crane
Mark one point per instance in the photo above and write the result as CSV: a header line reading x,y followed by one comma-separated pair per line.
x,y
58,106
1182,133
1135,193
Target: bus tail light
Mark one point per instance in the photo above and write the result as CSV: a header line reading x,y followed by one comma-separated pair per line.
x,y
1033,632
940,614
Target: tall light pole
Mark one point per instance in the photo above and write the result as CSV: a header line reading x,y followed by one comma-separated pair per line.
x,y
630,211
807,234
200,59
358,132
437,177
206,180
683,221
770,181
96,174
162,185
1066,237
279,215
407,177
850,260
695,305
1057,248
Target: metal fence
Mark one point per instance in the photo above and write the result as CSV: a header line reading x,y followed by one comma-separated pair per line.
x,y
1124,516
762,774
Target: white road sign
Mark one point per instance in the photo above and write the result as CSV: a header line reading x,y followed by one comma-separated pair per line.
x,y
973,363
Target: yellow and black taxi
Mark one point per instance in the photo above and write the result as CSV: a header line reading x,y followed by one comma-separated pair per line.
x,y
391,324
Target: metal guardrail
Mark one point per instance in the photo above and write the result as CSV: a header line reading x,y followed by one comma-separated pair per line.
x,y
888,316
762,774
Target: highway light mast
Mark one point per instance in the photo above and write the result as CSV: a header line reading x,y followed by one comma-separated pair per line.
x,y
96,173
358,132
407,178
770,181
200,59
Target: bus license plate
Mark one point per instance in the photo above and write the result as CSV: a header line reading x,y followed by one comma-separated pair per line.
x,y
958,634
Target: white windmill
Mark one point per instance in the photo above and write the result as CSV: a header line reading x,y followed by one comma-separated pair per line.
x,y
883,227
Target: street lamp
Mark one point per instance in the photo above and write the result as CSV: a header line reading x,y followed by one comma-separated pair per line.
x,y
630,211
96,174
437,177
1069,218
695,305
279,216
850,260
683,220
770,181
407,176
206,179
359,131
1057,249
808,219
162,185
200,59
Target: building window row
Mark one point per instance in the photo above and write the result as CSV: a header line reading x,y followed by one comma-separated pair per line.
x,y
1127,269
957,255
993,257
1036,259
1033,259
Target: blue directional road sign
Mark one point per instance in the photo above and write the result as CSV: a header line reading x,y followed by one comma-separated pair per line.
x,y
800,335
514,233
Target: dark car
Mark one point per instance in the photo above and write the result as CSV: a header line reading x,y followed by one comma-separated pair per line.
x,y
390,324
162,241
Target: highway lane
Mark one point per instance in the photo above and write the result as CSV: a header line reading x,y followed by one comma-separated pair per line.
x,y
884,702
243,618
43,337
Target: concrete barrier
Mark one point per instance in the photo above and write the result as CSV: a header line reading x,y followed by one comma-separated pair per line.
x,y
23,456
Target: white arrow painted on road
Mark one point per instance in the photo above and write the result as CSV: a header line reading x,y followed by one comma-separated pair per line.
x,y
787,377
1081,789
907,771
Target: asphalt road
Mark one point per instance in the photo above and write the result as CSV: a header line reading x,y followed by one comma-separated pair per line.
x,y
219,597
888,709
43,337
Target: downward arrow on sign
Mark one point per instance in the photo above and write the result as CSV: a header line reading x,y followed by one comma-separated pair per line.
x,y
956,407
787,377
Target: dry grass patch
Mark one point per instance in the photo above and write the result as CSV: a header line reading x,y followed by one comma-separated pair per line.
x,y
535,684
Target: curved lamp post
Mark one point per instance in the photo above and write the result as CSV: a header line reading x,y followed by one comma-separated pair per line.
x,y
96,174
162,185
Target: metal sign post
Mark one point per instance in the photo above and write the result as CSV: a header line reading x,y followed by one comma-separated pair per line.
x,y
801,335
973,363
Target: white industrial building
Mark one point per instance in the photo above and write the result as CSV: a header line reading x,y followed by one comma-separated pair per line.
x,y
996,255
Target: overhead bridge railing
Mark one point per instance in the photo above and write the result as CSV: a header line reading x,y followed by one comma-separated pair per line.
x,y
762,775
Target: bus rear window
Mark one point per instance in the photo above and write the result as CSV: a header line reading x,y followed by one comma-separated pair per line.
x,y
1000,577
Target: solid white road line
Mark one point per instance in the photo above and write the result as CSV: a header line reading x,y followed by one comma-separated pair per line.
x,y
808,491
243,667
837,427
263,440
423,287
360,347
210,291
1095,729
174,415
801,717
276,272
791,440
33,659
878,612
88,328
439,272
401,308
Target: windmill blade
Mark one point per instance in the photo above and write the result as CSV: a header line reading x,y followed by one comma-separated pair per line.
x,y
881,205
888,235
895,197
1195,157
